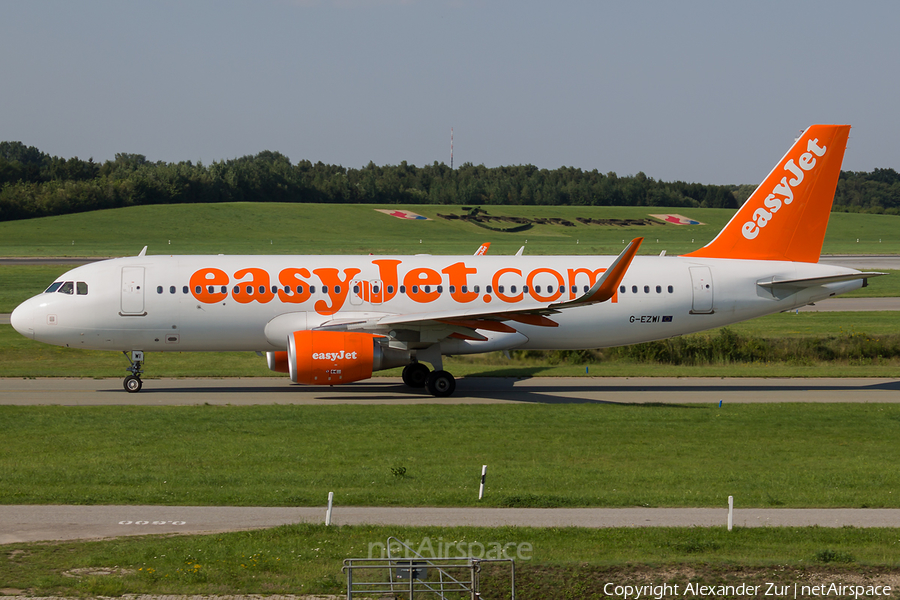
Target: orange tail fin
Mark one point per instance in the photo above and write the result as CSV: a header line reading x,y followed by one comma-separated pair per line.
x,y
786,217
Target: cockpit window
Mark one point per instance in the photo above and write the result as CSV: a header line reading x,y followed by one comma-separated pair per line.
x,y
53,287
81,288
66,288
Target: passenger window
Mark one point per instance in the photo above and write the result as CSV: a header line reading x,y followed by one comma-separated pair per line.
x,y
171,289
390,289
670,289
356,289
249,290
236,289
549,289
415,289
452,289
300,289
646,289
211,289
66,288
53,287
81,288
440,289
337,289
622,289
184,290
262,289
159,289
487,289
197,289
512,289
274,289
324,289
524,289
224,289
312,289
402,289
476,289
659,289
634,289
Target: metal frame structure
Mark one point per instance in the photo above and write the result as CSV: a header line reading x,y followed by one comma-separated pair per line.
x,y
415,576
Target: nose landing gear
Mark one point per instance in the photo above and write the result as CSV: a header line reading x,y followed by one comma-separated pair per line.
x,y
133,382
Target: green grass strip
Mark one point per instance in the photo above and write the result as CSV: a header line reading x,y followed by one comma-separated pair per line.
x,y
766,455
561,563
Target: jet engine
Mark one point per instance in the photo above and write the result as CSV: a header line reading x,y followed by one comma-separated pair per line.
x,y
332,357
278,361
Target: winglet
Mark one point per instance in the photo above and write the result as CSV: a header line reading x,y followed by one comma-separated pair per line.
x,y
786,217
143,252
606,286
482,250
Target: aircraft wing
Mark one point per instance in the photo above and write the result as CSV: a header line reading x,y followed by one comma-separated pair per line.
x,y
465,322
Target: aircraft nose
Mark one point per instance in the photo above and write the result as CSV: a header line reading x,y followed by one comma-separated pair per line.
x,y
22,319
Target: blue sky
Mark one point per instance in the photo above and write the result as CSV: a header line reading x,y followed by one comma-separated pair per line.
x,y
713,92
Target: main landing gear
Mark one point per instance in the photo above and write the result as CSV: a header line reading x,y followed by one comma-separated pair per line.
x,y
438,383
133,382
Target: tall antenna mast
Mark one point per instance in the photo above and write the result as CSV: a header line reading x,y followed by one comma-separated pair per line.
x,y
451,148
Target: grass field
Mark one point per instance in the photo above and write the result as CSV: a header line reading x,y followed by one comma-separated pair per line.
x,y
265,228
565,563
765,455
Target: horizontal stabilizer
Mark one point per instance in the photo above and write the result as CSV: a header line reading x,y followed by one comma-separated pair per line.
x,y
815,281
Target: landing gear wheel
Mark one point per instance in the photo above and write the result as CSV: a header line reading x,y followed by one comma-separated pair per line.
x,y
440,384
132,384
415,374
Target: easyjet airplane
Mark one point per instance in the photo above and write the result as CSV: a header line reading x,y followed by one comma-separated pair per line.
x,y
335,319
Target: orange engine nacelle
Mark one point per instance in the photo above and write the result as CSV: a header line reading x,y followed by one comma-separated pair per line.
x,y
332,357
278,361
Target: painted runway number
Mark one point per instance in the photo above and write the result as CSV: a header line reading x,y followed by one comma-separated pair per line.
x,y
152,522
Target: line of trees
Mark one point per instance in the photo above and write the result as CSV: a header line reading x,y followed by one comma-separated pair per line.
x,y
35,184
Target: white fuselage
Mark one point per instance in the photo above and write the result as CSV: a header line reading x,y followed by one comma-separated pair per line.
x,y
202,303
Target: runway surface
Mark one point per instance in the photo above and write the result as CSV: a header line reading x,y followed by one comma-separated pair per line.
x,y
19,523
469,390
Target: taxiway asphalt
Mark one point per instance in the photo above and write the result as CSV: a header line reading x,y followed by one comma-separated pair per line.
x,y
469,390
30,523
